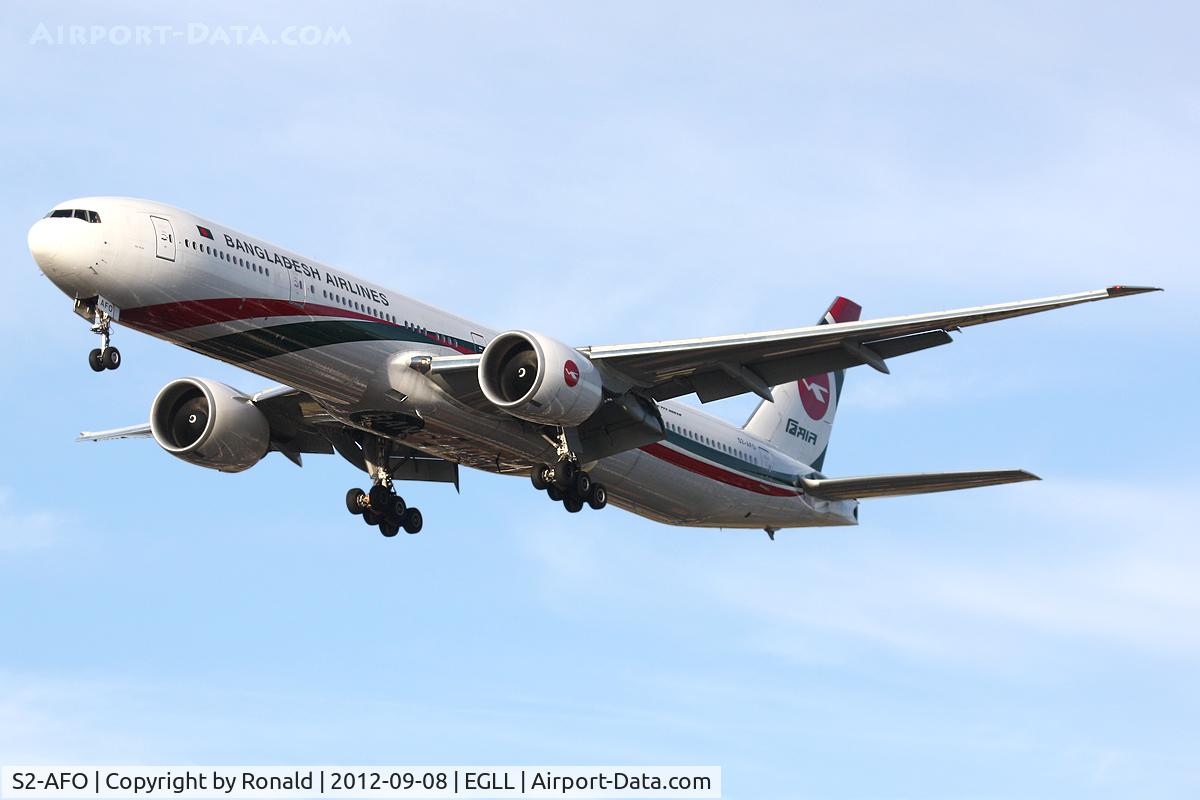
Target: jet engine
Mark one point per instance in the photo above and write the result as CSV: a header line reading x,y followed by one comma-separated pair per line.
x,y
209,424
539,379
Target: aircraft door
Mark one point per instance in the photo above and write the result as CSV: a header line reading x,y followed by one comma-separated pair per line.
x,y
296,292
764,457
164,238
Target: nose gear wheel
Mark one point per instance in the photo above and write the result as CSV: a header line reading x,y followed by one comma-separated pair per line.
x,y
105,356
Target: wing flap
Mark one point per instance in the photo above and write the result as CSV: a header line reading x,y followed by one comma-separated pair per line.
x,y
716,384
909,483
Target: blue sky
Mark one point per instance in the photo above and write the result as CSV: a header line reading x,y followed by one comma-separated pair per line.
x,y
617,172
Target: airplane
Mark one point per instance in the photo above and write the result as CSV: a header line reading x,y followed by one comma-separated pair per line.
x,y
407,392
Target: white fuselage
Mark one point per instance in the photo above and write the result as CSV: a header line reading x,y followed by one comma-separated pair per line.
x,y
348,343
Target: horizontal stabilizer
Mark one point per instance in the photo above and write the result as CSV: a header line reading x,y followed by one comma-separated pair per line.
x,y
909,483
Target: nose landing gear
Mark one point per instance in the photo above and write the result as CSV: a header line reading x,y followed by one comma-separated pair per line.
x,y
105,356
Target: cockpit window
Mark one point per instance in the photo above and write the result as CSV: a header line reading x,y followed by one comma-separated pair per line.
x,y
77,213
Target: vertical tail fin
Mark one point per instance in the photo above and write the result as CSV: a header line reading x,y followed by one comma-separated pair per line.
x,y
800,420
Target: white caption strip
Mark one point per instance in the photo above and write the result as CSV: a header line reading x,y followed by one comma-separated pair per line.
x,y
381,782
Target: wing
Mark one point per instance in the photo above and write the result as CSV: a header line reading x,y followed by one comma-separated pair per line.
x,y
717,367
293,415
910,483
128,432
723,366
299,425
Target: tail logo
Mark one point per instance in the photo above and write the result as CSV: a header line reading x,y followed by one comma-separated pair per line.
x,y
571,373
815,395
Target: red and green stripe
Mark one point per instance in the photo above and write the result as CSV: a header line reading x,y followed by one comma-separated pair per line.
x,y
719,466
323,325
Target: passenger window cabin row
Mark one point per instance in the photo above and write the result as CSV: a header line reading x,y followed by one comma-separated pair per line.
x,y
221,254
328,295
746,454
362,308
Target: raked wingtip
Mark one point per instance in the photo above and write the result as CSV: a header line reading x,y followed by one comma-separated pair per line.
x,y
1120,290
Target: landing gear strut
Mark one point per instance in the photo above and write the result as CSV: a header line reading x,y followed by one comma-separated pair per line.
x,y
381,507
105,356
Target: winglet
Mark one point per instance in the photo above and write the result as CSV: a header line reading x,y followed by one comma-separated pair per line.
x,y
1121,291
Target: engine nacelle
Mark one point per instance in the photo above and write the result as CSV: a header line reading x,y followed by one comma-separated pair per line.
x,y
210,425
539,379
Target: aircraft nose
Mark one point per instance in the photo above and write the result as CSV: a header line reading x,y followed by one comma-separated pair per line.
x,y
44,245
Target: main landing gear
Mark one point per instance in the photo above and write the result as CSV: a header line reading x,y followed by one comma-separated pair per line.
x,y
567,483
383,508
105,356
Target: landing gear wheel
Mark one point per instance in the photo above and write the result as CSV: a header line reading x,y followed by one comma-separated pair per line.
x,y
564,474
356,501
372,517
537,476
389,527
554,492
111,358
583,484
598,498
379,497
396,508
572,504
413,521
96,360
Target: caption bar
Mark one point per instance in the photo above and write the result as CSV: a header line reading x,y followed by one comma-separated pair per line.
x,y
294,783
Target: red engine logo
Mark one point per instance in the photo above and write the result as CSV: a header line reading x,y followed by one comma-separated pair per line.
x,y
815,395
571,373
